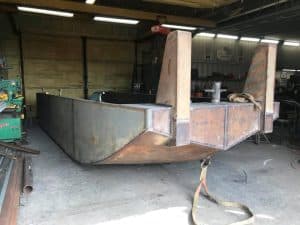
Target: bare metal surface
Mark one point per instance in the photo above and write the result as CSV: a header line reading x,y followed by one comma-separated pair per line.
x,y
243,121
6,167
142,150
260,83
102,129
99,131
207,126
161,121
276,110
89,131
9,212
223,125
268,126
27,175
56,117
216,92
19,148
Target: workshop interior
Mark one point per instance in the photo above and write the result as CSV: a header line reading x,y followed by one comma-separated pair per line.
x,y
111,104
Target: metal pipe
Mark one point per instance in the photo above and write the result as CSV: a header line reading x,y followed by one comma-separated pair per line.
x,y
216,92
27,175
19,148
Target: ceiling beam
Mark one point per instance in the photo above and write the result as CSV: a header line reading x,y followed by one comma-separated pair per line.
x,y
202,4
112,11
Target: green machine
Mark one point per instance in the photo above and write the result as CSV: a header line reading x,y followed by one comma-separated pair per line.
x,y
11,107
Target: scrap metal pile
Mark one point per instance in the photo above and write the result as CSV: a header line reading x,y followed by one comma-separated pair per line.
x,y
15,176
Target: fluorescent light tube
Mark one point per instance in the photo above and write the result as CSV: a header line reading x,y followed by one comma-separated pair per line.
x,y
269,41
205,34
45,11
291,43
226,36
251,39
178,27
116,20
91,2
289,70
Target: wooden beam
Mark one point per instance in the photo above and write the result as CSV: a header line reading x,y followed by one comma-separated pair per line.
x,y
112,11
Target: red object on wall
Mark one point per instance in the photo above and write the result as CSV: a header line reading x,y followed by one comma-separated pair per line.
x,y
159,29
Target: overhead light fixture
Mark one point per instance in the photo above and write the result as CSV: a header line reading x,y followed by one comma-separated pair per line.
x,y
45,11
289,70
179,27
250,39
91,2
226,36
205,34
291,43
269,41
116,20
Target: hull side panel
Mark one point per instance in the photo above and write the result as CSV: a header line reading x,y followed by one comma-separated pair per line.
x,y
100,129
89,131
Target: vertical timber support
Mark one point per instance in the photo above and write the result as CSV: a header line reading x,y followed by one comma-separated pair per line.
x,y
20,38
84,68
175,84
261,82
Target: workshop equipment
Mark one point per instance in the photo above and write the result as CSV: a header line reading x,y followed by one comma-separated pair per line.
x,y
11,114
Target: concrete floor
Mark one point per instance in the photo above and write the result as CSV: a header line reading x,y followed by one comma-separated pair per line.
x,y
65,193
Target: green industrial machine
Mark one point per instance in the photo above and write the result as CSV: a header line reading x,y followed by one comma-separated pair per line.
x,y
11,107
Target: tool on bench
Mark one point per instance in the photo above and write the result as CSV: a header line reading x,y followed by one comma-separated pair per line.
x,y
204,165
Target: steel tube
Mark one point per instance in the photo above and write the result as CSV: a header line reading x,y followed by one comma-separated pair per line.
x,y
19,148
27,176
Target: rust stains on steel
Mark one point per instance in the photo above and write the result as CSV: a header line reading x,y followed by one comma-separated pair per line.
x,y
172,130
27,175
9,212
142,150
